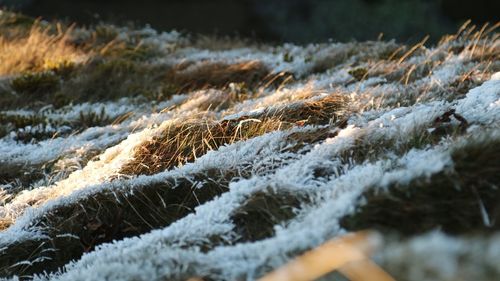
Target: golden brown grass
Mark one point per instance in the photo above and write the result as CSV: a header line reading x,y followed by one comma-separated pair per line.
x,y
184,141
5,223
38,51
414,67
479,44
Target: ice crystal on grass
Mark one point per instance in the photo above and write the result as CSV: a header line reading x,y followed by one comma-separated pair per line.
x,y
136,155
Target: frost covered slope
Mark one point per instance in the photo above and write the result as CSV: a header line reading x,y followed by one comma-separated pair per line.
x,y
135,155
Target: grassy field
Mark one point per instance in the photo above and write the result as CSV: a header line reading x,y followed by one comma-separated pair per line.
x,y
129,154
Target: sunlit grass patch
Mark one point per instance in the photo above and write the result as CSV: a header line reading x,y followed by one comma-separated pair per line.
x,y
31,53
184,141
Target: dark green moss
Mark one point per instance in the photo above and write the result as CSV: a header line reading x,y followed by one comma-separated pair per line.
x,y
287,57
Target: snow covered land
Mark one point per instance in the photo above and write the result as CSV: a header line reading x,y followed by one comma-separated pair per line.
x,y
129,154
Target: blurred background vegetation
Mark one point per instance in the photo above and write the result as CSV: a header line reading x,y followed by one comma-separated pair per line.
x,y
277,21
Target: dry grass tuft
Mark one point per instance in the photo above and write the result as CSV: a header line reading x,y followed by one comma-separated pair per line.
x,y
55,65
35,51
184,141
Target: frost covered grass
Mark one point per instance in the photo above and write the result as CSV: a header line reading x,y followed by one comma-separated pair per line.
x,y
130,154
459,200
442,257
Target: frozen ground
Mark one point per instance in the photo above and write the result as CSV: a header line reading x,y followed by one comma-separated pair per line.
x,y
135,155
